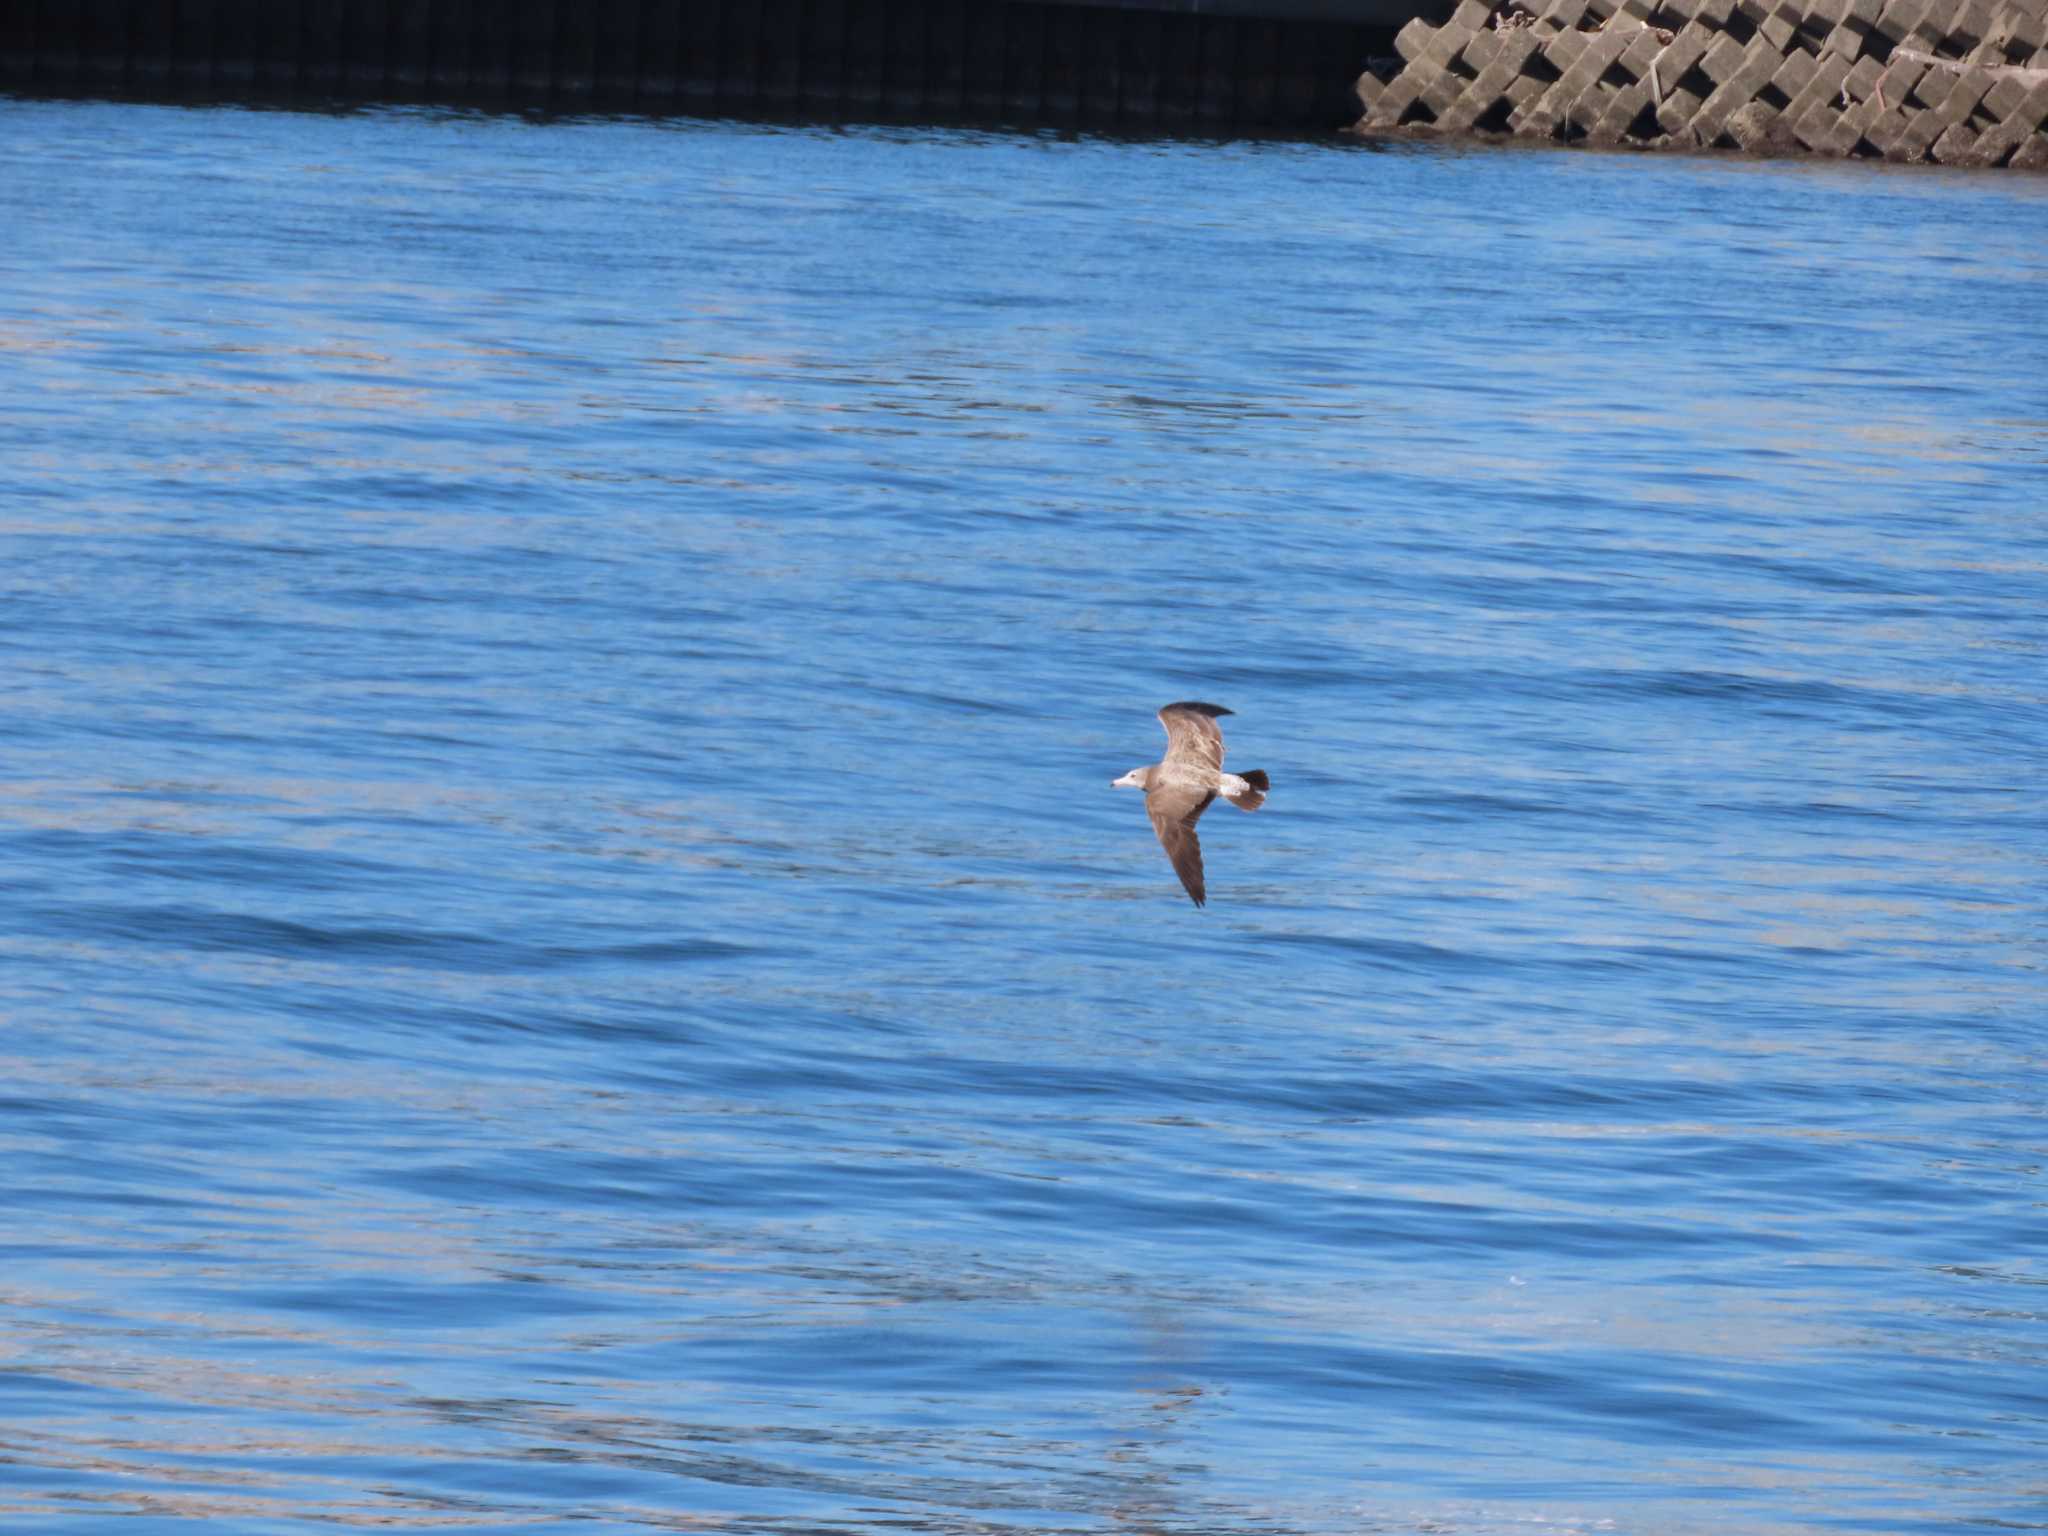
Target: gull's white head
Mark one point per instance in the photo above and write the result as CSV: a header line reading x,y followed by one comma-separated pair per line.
x,y
1137,778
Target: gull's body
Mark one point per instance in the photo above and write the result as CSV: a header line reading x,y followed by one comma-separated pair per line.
x,y
1181,785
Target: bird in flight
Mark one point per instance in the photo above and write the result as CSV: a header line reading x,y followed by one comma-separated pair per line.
x,y
1180,786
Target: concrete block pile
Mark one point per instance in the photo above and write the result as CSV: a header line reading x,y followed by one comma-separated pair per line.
x,y
1958,82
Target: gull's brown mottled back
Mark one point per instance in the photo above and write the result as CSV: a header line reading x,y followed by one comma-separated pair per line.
x,y
1180,786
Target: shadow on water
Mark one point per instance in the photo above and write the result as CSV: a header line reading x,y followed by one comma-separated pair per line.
x,y
963,128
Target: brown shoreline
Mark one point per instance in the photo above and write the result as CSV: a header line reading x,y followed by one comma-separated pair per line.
x,y
1902,80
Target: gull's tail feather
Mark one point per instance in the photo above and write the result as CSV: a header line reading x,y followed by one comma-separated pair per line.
x,y
1254,797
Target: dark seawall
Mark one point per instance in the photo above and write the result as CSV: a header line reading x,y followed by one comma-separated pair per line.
x,y
1288,64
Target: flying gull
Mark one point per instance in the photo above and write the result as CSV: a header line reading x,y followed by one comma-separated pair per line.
x,y
1179,787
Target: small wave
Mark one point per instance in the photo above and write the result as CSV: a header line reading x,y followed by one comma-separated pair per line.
x,y
198,928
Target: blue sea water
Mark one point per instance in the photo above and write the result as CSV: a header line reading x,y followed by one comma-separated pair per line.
x,y
570,962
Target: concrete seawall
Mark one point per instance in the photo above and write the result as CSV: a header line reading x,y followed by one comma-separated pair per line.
x,y
1144,63
1958,82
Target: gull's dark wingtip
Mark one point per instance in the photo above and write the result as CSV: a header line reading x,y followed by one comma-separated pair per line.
x,y
1196,707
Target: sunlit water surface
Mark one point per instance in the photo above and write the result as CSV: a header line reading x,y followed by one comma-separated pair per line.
x,y
571,962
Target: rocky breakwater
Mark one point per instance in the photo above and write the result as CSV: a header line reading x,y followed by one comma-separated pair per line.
x,y
1909,80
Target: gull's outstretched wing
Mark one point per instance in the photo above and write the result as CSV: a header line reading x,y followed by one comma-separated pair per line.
x,y
1192,734
1174,809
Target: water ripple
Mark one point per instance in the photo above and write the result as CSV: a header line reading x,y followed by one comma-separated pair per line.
x,y
574,964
